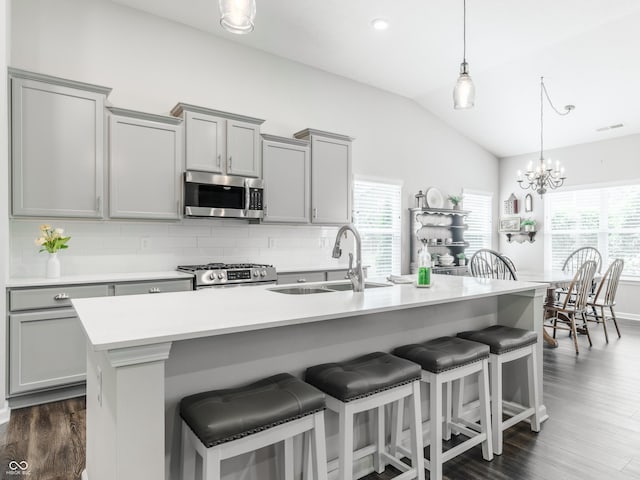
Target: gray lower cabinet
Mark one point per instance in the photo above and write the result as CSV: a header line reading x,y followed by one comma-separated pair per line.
x,y
331,182
145,165
286,171
153,287
313,276
47,350
47,347
338,275
57,145
301,277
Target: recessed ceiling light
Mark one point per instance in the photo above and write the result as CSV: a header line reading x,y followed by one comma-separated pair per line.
x,y
379,24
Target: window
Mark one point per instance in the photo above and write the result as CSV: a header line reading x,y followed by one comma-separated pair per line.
x,y
607,218
479,234
378,220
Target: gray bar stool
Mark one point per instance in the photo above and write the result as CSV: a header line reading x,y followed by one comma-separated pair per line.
x,y
447,360
366,383
508,344
222,424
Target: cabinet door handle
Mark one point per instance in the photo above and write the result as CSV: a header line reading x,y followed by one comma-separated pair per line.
x,y
61,296
264,210
301,280
98,203
230,163
315,213
219,159
154,290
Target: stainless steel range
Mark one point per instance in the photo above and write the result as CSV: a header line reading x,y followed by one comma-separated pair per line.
x,y
224,274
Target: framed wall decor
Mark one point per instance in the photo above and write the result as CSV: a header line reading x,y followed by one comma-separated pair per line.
x,y
510,224
528,203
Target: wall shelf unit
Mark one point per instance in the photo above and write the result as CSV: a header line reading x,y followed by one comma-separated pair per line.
x,y
521,237
441,231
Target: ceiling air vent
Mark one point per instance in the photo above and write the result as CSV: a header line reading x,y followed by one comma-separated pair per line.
x,y
610,127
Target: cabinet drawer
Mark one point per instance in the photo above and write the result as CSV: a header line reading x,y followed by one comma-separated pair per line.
x,y
337,275
301,277
154,287
53,297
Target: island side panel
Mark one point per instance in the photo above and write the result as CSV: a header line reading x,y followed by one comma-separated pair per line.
x,y
218,362
125,408
523,310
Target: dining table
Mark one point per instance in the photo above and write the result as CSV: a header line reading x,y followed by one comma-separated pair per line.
x,y
554,279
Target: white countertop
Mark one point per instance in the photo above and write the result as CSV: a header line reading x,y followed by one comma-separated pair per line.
x,y
126,321
95,278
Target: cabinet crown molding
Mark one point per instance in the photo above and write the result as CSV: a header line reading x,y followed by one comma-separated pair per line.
x,y
152,117
180,108
64,82
290,141
307,132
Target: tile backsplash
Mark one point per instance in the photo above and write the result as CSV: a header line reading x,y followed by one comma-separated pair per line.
x,y
113,246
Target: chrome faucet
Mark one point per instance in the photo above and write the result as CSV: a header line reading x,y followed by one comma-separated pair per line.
x,y
356,274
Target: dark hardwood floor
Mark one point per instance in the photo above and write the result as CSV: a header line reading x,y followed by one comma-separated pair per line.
x,y
593,432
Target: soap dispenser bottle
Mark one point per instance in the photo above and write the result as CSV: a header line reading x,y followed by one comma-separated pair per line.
x,y
424,268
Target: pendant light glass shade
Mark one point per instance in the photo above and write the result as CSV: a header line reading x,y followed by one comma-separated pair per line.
x,y
237,16
464,93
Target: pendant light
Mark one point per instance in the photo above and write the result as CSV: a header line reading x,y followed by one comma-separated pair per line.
x,y
237,16
464,93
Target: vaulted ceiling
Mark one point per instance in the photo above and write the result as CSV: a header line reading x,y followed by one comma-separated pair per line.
x,y
585,49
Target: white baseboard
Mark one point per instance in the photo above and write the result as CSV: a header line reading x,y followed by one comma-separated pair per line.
x,y
5,413
628,316
83,475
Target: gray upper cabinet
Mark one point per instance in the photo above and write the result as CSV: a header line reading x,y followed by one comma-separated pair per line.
x,y
286,170
145,165
331,185
220,142
57,146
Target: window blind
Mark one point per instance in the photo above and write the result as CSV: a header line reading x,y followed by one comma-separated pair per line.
x,y
607,218
378,220
479,233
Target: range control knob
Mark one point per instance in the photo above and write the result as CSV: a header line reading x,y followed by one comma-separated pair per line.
x,y
263,272
212,276
256,273
220,275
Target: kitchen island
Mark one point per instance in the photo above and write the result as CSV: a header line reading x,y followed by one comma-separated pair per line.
x,y
147,352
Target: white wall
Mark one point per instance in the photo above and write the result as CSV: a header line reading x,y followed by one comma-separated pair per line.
x,y
615,160
152,63
4,196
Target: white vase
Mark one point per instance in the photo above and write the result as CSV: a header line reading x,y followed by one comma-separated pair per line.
x,y
53,266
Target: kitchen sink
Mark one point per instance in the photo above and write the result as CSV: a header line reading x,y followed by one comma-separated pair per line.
x,y
341,287
300,290
331,287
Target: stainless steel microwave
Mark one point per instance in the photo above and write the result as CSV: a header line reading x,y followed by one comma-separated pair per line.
x,y
211,195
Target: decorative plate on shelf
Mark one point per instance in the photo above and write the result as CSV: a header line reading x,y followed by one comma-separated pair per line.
x,y
434,198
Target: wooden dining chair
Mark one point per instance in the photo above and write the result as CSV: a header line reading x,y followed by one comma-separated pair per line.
x,y
487,263
508,261
576,258
562,314
605,297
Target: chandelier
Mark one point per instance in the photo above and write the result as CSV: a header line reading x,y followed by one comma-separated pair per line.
x,y
546,175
